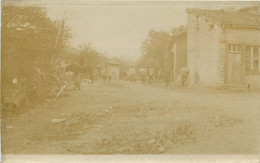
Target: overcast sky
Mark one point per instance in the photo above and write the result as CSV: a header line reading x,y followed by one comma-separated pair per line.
x,y
118,30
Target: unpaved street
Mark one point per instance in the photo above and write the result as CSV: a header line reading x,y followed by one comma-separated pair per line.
x,y
120,117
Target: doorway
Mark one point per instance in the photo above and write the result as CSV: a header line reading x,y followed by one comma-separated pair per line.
x,y
234,64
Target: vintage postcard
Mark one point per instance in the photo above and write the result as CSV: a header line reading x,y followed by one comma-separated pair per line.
x,y
163,81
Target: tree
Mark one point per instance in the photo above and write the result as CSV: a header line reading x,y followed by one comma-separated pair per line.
x,y
154,48
29,38
90,56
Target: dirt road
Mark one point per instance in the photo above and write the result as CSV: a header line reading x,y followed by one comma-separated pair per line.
x,y
120,117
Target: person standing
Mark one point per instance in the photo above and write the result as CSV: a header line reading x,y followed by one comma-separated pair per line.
x,y
91,74
143,75
77,81
103,74
106,74
109,74
158,74
167,75
150,75
132,74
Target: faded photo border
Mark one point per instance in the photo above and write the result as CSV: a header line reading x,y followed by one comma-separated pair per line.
x,y
7,158
131,158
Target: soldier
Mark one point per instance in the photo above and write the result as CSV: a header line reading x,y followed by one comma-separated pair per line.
x,y
92,74
77,81
143,75
104,74
150,75
109,74
167,75
132,74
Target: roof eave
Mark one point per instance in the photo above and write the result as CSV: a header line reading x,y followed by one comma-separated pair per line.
x,y
241,26
179,34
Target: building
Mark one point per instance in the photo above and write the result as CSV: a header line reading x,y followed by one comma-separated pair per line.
x,y
178,49
223,46
114,67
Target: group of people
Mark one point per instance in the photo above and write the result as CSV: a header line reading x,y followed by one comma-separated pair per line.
x,y
107,74
150,74
143,74
146,75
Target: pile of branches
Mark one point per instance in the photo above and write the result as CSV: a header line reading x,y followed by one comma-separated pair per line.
x,y
42,84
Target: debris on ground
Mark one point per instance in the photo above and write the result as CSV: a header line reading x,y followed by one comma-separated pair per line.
x,y
222,120
146,142
9,127
57,120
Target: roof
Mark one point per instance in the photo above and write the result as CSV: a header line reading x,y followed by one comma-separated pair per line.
x,y
175,37
183,33
238,18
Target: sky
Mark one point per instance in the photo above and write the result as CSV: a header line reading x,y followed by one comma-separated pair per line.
x,y
119,29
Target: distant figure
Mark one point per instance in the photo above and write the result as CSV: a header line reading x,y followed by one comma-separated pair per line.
x,y
150,75
143,75
109,74
132,74
184,75
77,81
104,74
92,74
159,74
167,74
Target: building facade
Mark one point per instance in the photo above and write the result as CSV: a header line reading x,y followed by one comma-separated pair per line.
x,y
223,47
114,67
178,49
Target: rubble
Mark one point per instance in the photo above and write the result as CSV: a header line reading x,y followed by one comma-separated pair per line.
x,y
147,141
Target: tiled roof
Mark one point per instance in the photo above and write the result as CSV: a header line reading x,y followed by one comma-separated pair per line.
x,y
239,17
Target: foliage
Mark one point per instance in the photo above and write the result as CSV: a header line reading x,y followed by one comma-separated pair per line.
x,y
70,55
32,44
154,48
29,38
90,56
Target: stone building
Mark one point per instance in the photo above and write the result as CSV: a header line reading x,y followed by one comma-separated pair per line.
x,y
178,51
223,47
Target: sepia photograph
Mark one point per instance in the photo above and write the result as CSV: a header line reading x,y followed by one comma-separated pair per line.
x,y
130,78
